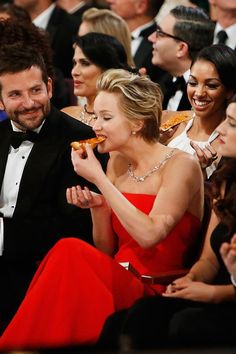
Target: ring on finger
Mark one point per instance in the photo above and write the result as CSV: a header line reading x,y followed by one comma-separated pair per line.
x,y
214,157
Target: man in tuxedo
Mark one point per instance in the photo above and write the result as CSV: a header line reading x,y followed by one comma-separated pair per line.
x,y
177,40
61,26
35,170
140,15
225,30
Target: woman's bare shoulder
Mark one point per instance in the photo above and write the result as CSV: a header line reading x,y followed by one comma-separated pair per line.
x,y
183,163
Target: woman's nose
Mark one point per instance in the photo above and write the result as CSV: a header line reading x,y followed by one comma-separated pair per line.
x,y
200,90
75,70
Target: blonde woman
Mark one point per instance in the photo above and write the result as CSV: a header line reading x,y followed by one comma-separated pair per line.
x,y
143,216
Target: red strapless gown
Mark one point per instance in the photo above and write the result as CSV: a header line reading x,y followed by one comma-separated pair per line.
x,y
76,287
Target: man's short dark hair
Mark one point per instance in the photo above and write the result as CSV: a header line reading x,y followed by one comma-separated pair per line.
x,y
15,58
193,26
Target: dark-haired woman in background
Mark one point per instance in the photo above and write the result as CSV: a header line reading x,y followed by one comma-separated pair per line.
x,y
211,84
94,54
200,308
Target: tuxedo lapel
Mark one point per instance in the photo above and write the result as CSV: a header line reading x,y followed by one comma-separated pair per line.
x,y
52,25
142,52
4,147
40,161
145,48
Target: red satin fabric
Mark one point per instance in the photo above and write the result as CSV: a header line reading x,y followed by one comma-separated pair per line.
x,y
77,287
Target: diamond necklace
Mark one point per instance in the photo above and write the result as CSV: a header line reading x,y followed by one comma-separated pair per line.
x,y
87,117
150,172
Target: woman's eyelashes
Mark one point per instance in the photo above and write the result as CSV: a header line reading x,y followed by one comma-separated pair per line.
x,y
84,62
81,62
209,85
231,122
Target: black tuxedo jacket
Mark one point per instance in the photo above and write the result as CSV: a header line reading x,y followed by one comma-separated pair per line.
x,y
143,56
42,215
62,28
184,103
79,13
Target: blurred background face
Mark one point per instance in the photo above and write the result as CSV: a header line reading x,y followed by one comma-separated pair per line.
x,y
206,92
124,8
85,75
164,47
227,130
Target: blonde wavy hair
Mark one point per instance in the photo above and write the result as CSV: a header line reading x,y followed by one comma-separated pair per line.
x,y
140,99
107,22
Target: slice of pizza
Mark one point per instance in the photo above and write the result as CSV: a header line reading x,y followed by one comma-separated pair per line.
x,y
173,121
93,142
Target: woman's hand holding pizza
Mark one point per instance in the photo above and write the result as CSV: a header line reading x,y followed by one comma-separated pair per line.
x,y
87,167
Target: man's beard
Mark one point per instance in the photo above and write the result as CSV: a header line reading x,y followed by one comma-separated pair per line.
x,y
16,116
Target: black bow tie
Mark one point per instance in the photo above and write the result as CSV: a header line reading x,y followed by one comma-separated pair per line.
x,y
18,137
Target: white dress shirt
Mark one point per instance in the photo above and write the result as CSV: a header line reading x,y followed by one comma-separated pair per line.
x,y
43,19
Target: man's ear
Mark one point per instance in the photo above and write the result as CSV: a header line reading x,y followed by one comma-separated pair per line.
x,y
141,7
182,50
49,87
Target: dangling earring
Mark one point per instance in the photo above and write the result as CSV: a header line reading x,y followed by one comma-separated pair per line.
x,y
133,133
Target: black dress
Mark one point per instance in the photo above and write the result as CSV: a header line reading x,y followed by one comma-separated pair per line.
x,y
157,321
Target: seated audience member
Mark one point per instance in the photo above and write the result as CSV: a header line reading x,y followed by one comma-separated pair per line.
x,y
179,37
94,53
143,216
212,82
198,309
107,22
35,172
140,18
